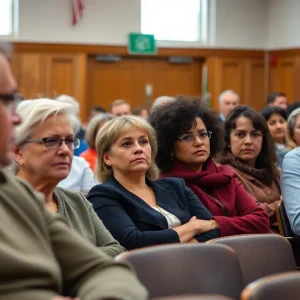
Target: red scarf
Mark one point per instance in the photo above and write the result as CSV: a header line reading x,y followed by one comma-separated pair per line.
x,y
211,185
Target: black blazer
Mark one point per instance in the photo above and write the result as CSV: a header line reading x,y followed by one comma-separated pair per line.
x,y
135,224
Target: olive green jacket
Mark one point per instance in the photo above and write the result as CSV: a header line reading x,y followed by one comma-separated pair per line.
x,y
81,217
41,257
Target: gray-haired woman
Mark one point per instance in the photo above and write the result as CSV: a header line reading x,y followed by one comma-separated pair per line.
x,y
90,155
45,144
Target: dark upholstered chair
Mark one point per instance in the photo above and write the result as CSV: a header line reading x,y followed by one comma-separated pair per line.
x,y
286,231
283,221
260,254
283,286
195,297
187,269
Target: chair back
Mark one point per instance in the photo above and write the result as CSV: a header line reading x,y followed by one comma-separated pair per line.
x,y
195,297
284,286
186,269
283,221
260,254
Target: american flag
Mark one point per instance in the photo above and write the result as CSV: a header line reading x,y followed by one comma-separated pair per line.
x,y
77,11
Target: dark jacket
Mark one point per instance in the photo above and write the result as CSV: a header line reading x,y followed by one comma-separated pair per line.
x,y
135,224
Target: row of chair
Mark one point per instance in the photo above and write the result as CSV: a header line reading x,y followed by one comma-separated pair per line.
x,y
223,266
286,231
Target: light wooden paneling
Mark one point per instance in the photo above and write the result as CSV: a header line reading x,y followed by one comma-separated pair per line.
x,y
29,69
254,83
173,79
108,81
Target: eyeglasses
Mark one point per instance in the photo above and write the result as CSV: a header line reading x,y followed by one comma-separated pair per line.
x,y
11,101
190,137
54,143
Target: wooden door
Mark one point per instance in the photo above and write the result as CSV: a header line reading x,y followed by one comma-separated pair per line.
x,y
108,81
130,78
66,74
254,84
225,74
171,79
288,77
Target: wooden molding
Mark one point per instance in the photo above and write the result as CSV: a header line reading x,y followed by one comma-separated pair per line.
x,y
285,52
122,50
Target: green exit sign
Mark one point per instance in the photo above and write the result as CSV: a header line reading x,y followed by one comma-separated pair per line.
x,y
141,44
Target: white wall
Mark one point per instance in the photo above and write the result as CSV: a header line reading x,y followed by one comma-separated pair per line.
x,y
239,23
283,24
105,21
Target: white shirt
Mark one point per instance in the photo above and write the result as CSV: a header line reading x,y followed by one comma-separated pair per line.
x,y
172,220
81,177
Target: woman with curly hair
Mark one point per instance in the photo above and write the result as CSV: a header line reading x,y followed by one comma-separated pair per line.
x,y
189,135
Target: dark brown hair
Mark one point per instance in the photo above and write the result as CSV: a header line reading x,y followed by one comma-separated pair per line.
x,y
267,157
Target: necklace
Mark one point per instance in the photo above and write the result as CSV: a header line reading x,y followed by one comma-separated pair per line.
x,y
166,215
55,205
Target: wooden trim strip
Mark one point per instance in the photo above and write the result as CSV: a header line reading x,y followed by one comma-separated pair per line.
x,y
122,50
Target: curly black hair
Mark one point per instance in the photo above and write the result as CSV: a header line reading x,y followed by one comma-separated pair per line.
x,y
177,117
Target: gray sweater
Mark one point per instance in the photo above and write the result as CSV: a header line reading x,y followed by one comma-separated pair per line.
x,y
41,257
82,218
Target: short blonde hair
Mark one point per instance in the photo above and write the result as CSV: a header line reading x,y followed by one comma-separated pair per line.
x,y
108,135
118,102
92,129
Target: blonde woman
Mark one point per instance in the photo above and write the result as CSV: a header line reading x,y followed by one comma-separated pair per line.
x,y
136,208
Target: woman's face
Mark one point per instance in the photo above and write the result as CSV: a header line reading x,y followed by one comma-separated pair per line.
x,y
245,141
277,127
48,164
193,147
130,154
296,135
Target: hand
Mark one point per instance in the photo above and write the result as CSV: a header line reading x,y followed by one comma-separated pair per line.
x,y
206,225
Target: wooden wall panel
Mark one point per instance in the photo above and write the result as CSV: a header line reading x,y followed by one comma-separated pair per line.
x,y
254,83
287,77
29,69
108,81
224,74
173,79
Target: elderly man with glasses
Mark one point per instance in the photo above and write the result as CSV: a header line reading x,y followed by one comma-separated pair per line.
x,y
40,256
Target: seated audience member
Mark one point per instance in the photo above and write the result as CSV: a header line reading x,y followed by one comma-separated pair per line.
x,y
120,107
96,110
277,99
276,119
40,257
162,100
81,132
293,130
45,143
81,178
141,111
90,155
249,151
292,107
138,210
290,187
189,135
227,101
